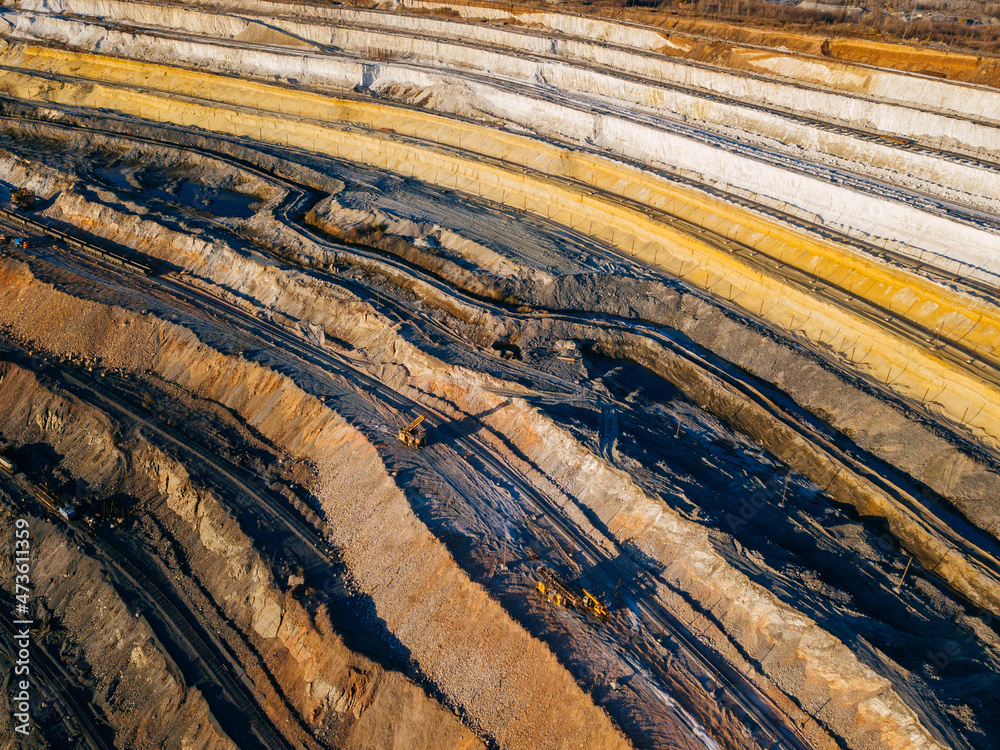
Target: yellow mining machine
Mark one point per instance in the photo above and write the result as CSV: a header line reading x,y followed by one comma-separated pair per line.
x,y
560,593
23,199
413,434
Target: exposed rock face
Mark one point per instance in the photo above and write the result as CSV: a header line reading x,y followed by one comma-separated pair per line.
x,y
83,438
517,691
446,621
353,700
803,659
358,703
133,682
511,685
626,274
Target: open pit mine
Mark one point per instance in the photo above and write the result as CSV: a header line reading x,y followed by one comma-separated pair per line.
x,y
430,376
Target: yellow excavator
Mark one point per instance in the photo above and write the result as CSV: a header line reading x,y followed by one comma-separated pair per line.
x,y
23,199
560,593
413,434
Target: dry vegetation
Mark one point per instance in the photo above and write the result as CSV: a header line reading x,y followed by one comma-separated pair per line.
x,y
962,25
